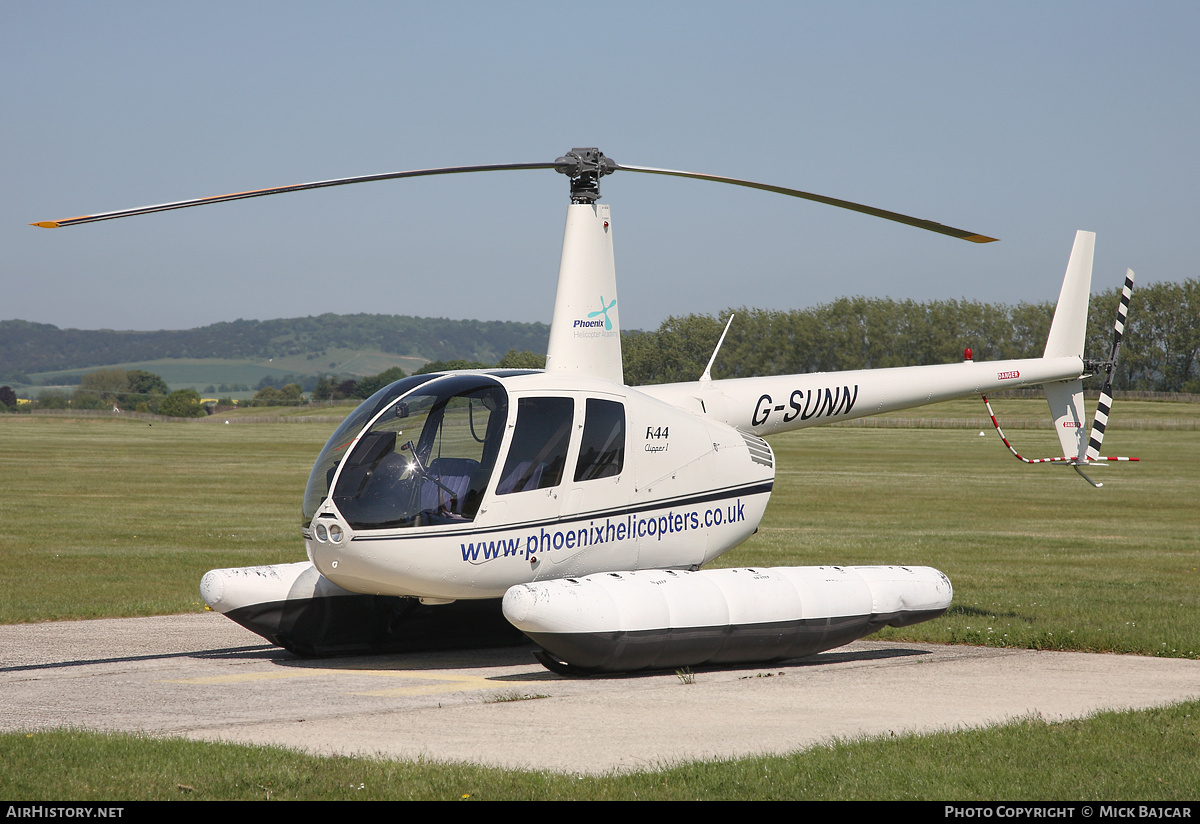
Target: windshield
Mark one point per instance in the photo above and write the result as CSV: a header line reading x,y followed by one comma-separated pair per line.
x,y
343,436
426,458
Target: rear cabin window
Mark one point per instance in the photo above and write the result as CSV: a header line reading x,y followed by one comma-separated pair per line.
x,y
537,455
602,451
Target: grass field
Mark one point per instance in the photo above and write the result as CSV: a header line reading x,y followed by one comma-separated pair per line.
x,y
1132,756
122,517
116,517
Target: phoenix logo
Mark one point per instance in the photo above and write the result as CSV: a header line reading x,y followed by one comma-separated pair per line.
x,y
604,311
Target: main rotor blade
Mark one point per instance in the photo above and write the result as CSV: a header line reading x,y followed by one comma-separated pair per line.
x,y
829,201
278,190
570,165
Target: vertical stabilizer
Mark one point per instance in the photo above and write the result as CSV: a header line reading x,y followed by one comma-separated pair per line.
x,y
585,336
1067,333
1069,326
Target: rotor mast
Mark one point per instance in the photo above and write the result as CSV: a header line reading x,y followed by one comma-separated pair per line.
x,y
585,331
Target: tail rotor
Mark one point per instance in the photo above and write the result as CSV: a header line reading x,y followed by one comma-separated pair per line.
x,y
1067,415
1104,407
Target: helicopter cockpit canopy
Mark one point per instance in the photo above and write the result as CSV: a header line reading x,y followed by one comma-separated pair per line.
x,y
425,458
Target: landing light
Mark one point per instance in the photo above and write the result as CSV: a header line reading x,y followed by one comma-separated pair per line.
x,y
332,533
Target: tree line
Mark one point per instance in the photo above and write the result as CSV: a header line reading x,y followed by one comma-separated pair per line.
x,y
332,388
133,390
1160,351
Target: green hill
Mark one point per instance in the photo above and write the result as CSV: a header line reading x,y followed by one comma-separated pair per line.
x,y
344,344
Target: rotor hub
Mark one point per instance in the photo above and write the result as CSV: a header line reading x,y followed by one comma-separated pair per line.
x,y
585,167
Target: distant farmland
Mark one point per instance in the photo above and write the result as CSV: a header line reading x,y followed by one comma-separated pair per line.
x,y
197,373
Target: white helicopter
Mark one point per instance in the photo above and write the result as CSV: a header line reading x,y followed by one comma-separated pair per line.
x,y
590,506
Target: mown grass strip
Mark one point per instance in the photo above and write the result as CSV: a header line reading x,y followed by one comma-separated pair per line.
x,y
1151,754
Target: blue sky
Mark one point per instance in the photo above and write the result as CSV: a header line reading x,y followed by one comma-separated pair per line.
x,y
1023,121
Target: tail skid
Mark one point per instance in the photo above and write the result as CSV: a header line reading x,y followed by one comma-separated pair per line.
x,y
1075,463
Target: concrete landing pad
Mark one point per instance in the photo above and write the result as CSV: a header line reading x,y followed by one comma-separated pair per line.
x,y
204,677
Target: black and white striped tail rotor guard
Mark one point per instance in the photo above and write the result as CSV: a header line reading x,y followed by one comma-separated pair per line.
x,y
1103,408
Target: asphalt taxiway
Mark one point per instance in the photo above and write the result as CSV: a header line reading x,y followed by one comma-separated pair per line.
x,y
202,676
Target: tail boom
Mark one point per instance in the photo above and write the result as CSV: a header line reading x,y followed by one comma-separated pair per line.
x,y
772,405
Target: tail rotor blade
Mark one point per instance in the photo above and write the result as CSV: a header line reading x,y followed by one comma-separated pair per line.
x,y
1104,406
